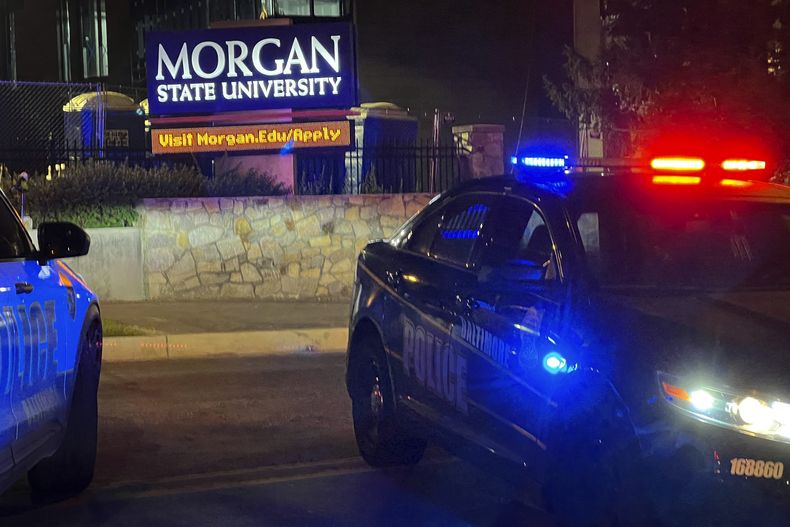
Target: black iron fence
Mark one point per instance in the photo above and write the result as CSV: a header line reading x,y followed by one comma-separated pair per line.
x,y
384,169
368,170
56,157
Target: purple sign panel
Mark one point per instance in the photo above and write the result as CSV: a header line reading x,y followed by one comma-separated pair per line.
x,y
251,68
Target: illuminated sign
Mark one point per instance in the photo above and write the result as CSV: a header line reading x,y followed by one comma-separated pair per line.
x,y
251,68
246,138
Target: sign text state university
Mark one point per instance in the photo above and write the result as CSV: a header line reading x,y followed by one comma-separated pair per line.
x,y
256,68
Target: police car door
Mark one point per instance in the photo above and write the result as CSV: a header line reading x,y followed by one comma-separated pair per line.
x,y
8,363
434,371
35,319
512,308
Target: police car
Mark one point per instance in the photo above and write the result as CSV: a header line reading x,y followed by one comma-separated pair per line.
x,y
620,335
50,358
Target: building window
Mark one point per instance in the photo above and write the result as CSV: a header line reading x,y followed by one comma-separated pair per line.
x,y
292,7
326,7
319,8
94,38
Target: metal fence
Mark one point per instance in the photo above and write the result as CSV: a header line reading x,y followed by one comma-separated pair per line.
x,y
56,157
46,125
33,121
386,169
370,170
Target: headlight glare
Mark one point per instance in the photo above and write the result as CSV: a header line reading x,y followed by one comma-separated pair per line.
x,y
701,400
750,414
756,413
782,413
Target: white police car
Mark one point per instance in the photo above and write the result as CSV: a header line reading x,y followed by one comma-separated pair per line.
x,y
50,358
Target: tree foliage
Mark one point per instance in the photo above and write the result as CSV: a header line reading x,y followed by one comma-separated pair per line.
x,y
706,64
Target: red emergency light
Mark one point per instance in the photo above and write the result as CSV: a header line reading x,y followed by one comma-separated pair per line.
x,y
735,183
677,180
677,164
683,171
742,165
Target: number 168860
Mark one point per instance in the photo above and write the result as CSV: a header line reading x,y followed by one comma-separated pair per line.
x,y
757,468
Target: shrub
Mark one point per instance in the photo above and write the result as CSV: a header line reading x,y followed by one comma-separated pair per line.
x,y
104,194
243,183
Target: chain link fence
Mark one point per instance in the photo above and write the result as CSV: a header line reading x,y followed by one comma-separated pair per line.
x,y
39,120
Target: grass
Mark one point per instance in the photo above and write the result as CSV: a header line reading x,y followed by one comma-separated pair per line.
x,y
113,328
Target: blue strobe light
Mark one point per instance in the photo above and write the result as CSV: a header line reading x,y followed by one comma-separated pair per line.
x,y
544,162
554,363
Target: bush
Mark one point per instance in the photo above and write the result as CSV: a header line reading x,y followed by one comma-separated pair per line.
x,y
104,194
239,183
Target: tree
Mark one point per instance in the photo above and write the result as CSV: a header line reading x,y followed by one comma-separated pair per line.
x,y
669,64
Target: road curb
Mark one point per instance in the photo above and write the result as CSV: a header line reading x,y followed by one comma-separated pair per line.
x,y
233,344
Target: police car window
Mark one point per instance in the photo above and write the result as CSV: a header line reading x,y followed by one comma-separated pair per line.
x,y
517,234
591,237
14,243
699,245
421,236
461,225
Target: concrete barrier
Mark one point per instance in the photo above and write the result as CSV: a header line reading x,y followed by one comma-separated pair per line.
x,y
114,266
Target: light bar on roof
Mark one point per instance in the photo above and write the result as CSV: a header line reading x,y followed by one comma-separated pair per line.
x,y
677,180
678,164
742,165
544,162
736,183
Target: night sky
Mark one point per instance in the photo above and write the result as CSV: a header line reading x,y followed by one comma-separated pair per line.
x,y
467,57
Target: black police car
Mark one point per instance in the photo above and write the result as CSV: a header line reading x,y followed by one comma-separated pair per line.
x,y
625,338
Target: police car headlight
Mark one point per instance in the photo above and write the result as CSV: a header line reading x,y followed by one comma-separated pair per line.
x,y
751,414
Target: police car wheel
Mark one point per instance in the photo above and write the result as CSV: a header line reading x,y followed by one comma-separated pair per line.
x,y
381,437
593,476
70,469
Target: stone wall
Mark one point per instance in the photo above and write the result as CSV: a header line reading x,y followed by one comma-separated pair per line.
x,y
267,248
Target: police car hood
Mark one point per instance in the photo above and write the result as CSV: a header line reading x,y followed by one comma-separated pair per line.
x,y
738,338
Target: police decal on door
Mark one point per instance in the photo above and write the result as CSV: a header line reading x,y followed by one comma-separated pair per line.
x,y
28,341
430,359
487,343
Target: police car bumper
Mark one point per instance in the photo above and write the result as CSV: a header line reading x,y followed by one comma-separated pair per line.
x,y
703,466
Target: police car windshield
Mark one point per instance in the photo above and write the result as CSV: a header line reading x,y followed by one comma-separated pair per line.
x,y
692,244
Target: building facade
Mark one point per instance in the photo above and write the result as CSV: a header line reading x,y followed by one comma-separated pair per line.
x,y
469,62
104,40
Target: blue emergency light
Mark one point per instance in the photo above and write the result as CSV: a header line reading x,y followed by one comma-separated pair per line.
x,y
554,363
540,162
543,165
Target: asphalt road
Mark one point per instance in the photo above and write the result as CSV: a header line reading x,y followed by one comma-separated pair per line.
x,y
255,441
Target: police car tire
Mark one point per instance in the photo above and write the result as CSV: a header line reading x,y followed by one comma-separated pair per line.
x,y
70,469
593,476
391,443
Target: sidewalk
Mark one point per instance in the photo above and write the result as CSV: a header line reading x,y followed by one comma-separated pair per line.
x,y
232,328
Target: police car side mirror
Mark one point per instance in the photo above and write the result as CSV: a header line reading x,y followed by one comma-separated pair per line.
x,y
61,240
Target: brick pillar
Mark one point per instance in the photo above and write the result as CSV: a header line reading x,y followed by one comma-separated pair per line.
x,y
482,146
